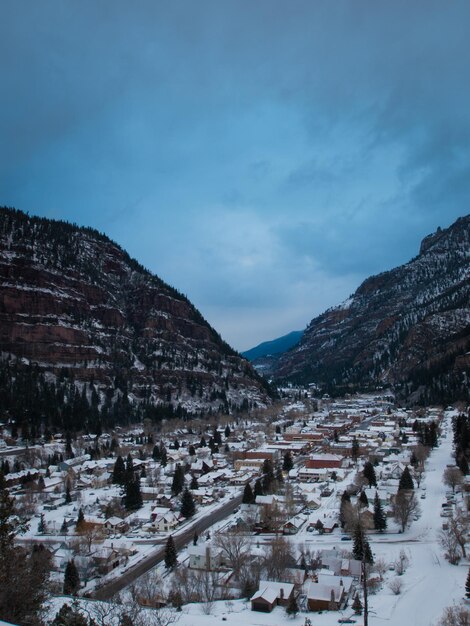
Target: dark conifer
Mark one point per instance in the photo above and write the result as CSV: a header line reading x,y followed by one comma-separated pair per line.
x,y
188,508
178,480
406,482
248,496
369,474
171,558
71,579
288,463
119,472
363,499
292,607
380,521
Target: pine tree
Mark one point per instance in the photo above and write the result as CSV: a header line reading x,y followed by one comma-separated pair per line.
x,y
194,484
406,482
178,480
163,457
288,463
363,499
292,607
188,508
80,520
227,431
358,547
71,579
132,495
258,488
68,616
119,472
357,605
64,528
369,474
156,454
171,558
248,496
467,585
42,528
68,497
380,521
354,449
345,508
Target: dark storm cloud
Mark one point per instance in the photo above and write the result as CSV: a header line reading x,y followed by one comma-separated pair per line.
x,y
263,157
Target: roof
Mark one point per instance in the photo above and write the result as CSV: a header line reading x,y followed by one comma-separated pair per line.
x,y
319,591
270,590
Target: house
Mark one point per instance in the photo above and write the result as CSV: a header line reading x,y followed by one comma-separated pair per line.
x,y
292,526
165,522
270,594
326,596
116,525
206,557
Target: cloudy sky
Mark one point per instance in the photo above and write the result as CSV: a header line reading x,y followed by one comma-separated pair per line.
x,y
262,156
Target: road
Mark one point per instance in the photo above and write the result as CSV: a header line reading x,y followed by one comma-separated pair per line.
x,y
185,536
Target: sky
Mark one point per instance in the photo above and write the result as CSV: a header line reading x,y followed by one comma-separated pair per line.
x,y
262,156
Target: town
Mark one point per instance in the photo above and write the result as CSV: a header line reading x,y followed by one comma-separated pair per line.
x,y
325,509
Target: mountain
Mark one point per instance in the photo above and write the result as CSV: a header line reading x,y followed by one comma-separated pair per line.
x,y
408,328
88,334
276,346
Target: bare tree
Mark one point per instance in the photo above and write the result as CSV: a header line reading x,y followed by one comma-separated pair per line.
x,y
235,547
458,525
278,559
452,477
405,506
450,545
395,585
455,616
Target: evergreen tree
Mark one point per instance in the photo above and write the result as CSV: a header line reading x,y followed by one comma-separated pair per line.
x,y
194,484
363,499
178,480
358,546
369,474
248,495
163,457
380,521
345,508
357,605
406,482
195,538
292,607
132,495
68,497
64,529
71,579
288,463
227,431
258,488
119,472
80,520
202,443
192,451
42,524
463,465
467,585
129,474
188,508
68,616
354,449
156,454
171,558
361,547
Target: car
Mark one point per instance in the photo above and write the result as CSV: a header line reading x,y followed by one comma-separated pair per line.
x,y
345,538
346,620
423,496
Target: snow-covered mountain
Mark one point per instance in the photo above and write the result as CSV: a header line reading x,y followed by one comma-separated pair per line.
x,y
74,306
408,327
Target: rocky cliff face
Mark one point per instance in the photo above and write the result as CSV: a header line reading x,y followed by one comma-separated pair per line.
x,y
409,327
74,303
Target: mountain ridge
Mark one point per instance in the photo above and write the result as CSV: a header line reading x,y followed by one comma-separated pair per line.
x,y
74,305
408,327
